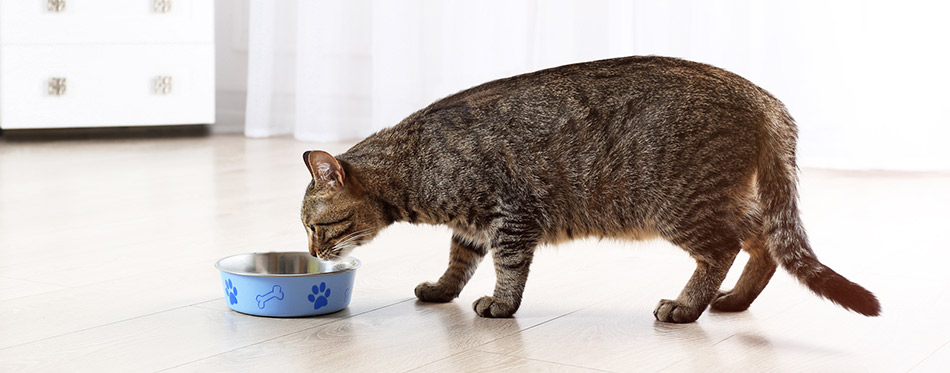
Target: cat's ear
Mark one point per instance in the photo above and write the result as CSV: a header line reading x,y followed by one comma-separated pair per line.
x,y
326,171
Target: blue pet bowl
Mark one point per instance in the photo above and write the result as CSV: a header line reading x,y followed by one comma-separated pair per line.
x,y
287,284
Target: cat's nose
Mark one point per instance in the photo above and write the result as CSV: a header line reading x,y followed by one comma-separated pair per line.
x,y
313,250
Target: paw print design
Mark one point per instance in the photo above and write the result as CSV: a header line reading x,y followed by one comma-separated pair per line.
x,y
319,296
230,291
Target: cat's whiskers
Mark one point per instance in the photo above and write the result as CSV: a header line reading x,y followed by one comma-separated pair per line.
x,y
351,236
352,243
348,242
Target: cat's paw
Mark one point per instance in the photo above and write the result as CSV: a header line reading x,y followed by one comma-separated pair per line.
x,y
433,293
728,301
673,311
493,308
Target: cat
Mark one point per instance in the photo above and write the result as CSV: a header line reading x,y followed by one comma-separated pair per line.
x,y
635,147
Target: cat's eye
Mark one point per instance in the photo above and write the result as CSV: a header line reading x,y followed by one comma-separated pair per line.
x,y
334,222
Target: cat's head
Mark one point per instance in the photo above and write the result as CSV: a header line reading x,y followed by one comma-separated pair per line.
x,y
336,212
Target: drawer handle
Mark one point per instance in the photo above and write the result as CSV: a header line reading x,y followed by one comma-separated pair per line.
x,y
56,5
163,85
57,86
162,6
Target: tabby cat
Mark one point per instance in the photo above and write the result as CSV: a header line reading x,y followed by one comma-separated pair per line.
x,y
634,148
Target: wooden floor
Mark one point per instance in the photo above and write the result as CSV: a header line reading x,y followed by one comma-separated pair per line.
x,y
107,250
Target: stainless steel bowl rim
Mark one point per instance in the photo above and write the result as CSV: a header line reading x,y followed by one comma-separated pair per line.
x,y
356,264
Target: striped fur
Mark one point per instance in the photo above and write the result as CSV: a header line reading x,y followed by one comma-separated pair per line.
x,y
628,148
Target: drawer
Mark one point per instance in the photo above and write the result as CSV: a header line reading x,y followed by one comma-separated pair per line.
x,y
106,85
106,21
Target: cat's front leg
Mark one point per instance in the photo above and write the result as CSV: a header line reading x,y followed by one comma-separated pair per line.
x,y
512,255
464,257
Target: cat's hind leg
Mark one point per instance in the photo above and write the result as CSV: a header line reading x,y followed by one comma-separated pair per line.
x,y
464,258
756,274
714,245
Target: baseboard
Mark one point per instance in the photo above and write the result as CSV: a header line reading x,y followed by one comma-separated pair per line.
x,y
102,133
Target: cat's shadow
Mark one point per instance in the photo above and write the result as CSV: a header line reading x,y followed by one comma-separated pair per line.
x,y
710,348
458,324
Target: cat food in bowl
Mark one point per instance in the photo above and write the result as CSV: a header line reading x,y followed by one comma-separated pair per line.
x,y
286,284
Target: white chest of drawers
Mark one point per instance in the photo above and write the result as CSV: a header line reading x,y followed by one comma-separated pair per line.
x,y
98,63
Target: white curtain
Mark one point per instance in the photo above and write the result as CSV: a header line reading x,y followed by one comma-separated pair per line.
x,y
865,79
362,65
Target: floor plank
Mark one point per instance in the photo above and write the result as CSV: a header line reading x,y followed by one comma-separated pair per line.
x,y
11,288
478,361
151,342
34,318
937,362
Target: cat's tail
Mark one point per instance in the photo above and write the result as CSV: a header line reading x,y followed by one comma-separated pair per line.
x,y
784,234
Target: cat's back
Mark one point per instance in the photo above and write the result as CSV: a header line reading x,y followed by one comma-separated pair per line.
x,y
604,85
